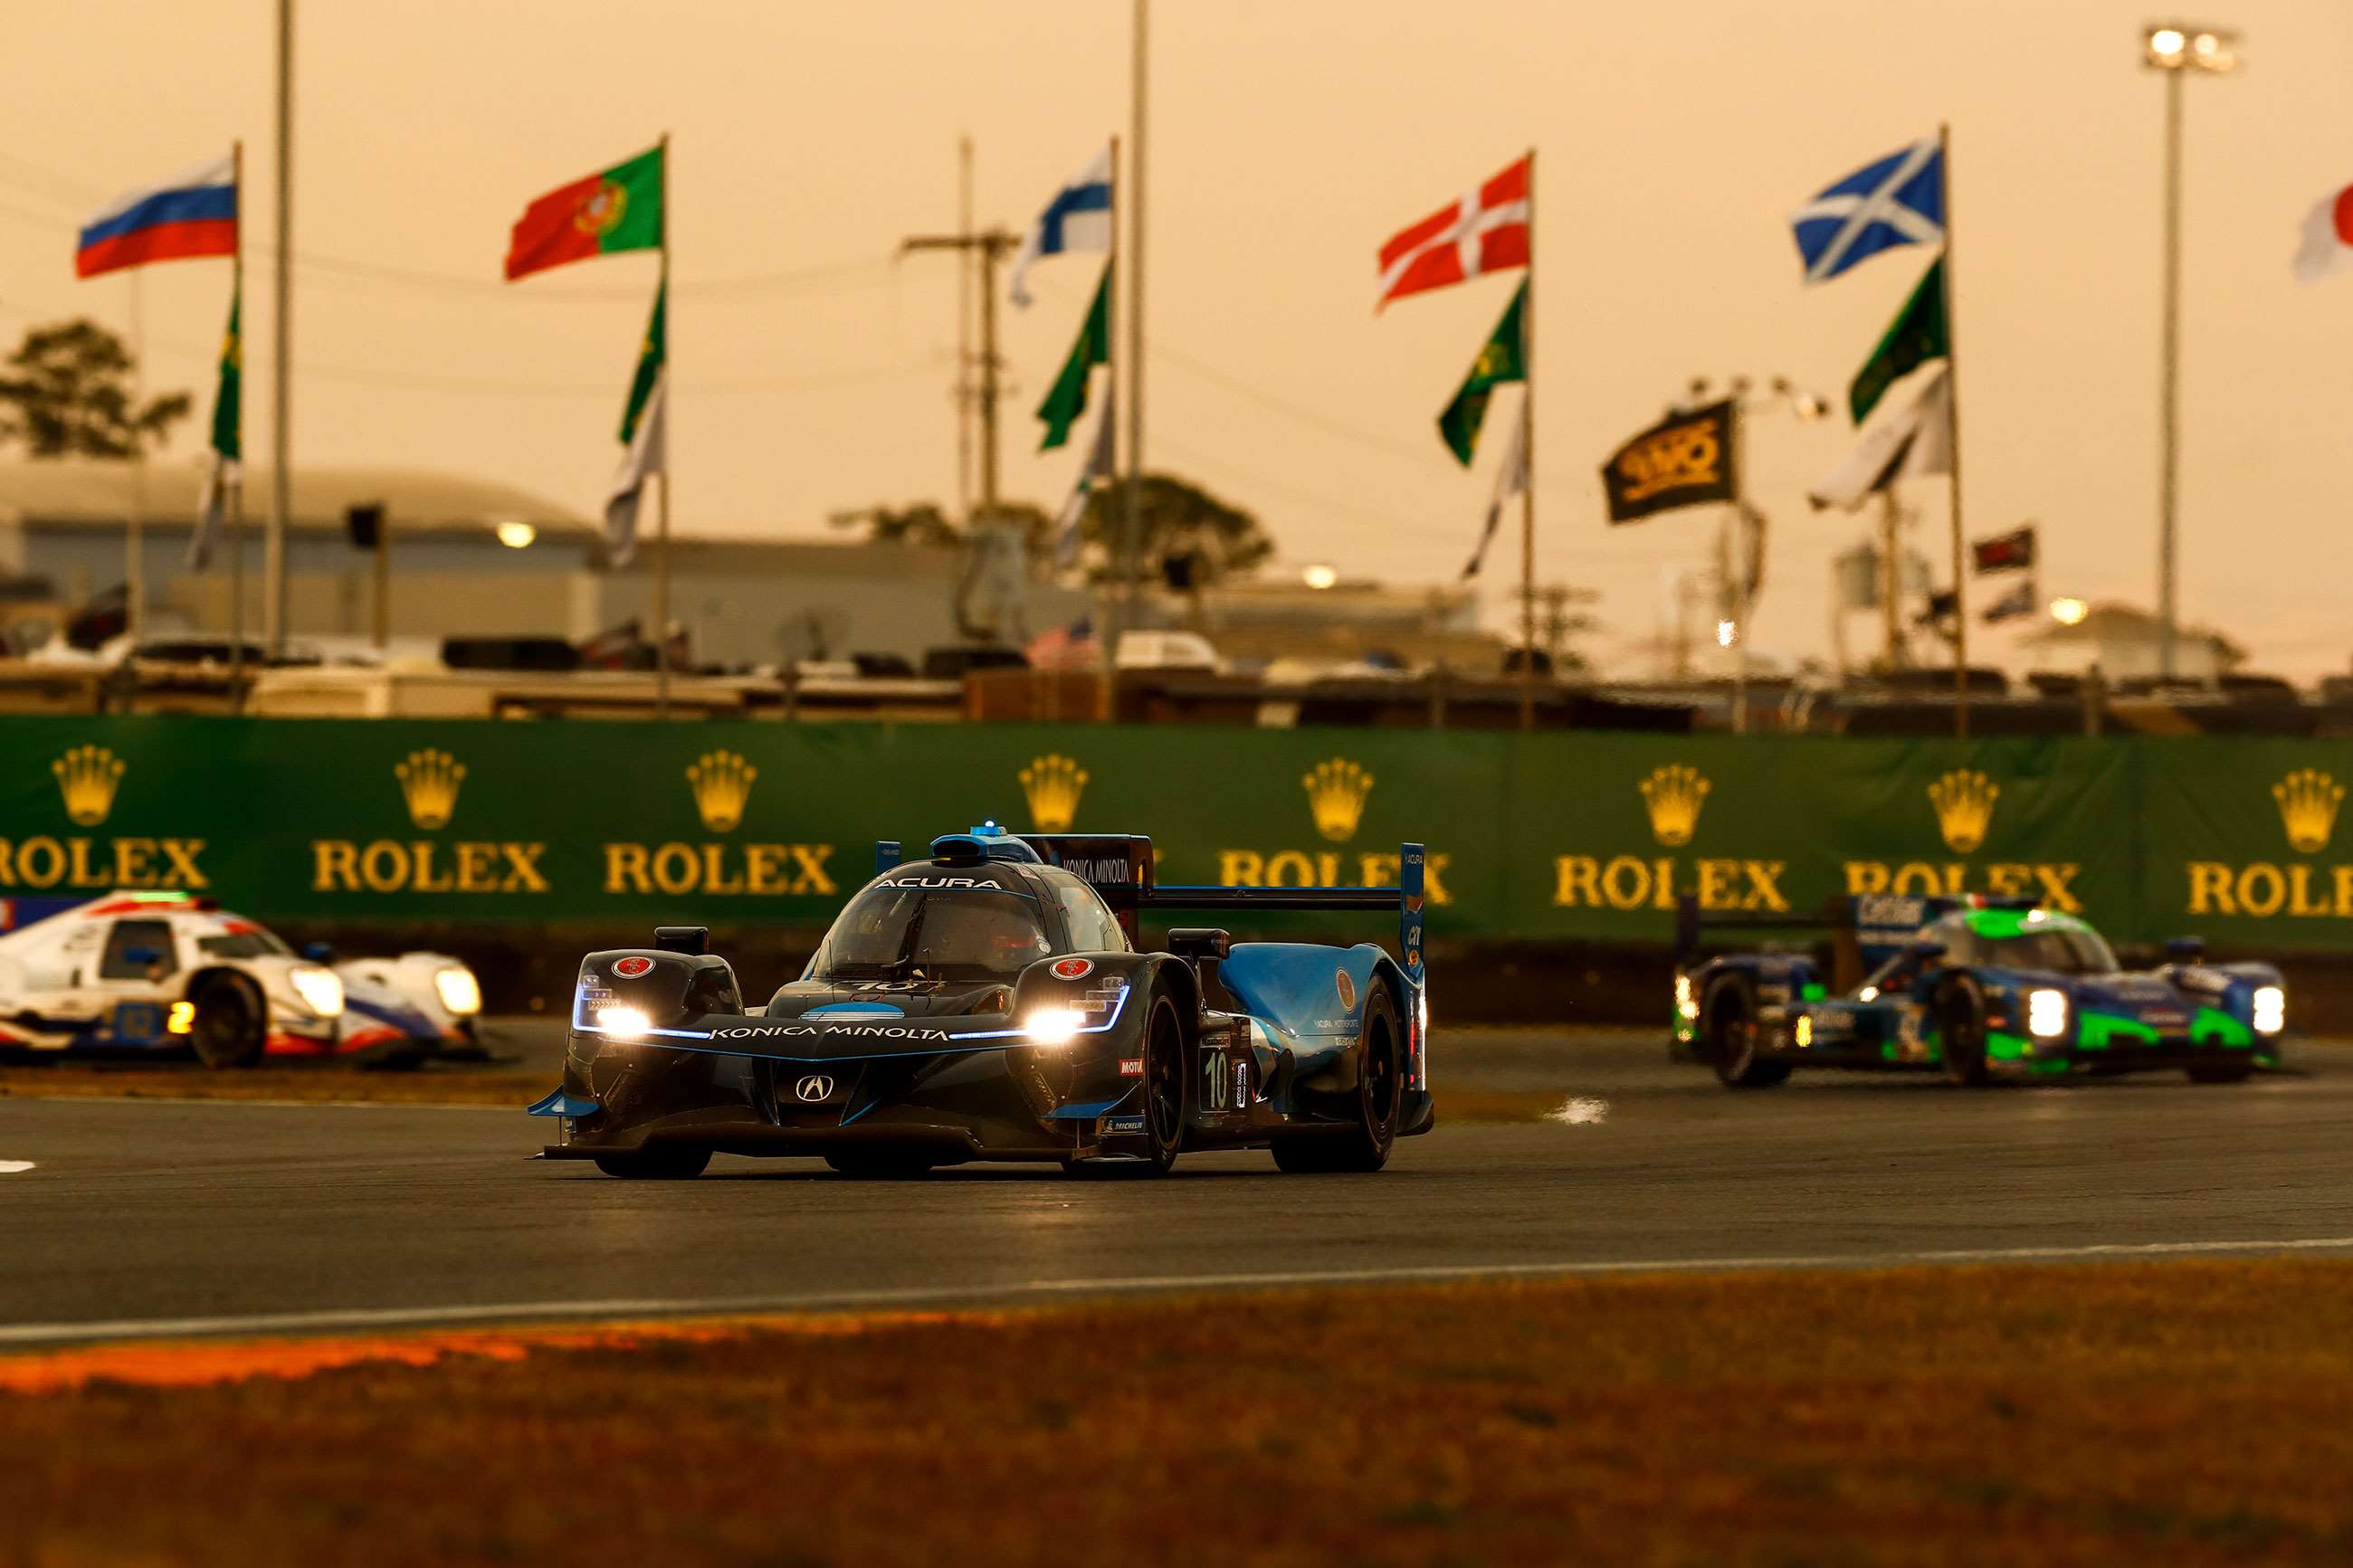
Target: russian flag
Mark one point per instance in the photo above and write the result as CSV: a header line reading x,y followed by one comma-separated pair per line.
x,y
195,214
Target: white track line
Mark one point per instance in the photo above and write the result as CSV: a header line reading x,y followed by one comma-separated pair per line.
x,y
23,1334
15,1167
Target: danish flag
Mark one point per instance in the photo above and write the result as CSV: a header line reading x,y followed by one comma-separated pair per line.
x,y
1485,231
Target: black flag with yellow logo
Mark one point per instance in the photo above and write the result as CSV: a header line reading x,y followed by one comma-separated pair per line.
x,y
1682,460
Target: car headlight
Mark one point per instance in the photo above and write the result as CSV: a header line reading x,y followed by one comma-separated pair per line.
x,y
2046,1014
1052,1026
1683,1009
623,1022
319,988
458,990
2270,1010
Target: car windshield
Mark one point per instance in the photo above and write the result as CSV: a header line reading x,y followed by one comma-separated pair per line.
x,y
2058,952
251,943
906,932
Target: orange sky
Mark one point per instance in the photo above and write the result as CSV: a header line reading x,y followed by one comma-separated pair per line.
x,y
1288,139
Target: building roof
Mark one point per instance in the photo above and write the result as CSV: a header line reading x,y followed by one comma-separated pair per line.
x,y
2108,623
83,492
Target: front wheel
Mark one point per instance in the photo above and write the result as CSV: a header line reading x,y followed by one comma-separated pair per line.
x,y
1961,1031
655,1164
1365,1146
1166,1081
1733,1036
231,1026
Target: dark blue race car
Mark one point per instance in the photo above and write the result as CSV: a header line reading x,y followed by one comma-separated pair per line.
x,y
992,1002
1977,988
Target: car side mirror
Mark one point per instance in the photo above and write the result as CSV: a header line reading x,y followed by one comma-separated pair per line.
x,y
319,952
2185,950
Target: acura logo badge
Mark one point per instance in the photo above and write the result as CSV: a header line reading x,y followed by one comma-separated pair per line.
x,y
813,1088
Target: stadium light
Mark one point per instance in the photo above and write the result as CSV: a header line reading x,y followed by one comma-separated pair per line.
x,y
2176,49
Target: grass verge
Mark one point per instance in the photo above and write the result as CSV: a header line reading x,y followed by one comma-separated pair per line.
x,y
2163,1414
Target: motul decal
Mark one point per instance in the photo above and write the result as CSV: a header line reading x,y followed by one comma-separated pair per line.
x,y
630,968
1073,968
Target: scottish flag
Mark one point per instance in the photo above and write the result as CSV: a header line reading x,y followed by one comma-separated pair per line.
x,y
1899,200
1078,218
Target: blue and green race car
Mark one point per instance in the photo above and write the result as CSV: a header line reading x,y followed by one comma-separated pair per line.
x,y
1978,988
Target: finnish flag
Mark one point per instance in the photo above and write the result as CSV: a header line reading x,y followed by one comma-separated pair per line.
x,y
1899,200
1078,218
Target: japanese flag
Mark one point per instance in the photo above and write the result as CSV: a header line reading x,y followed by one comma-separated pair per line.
x,y
2327,245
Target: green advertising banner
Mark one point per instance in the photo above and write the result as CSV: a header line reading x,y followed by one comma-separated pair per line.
x,y
1581,835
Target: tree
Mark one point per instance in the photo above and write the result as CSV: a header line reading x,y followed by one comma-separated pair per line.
x,y
1179,520
67,392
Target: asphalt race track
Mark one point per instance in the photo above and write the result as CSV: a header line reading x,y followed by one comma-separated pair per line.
x,y
148,1216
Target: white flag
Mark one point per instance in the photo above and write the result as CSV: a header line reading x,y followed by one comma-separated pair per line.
x,y
1078,218
1510,480
648,455
1916,442
213,508
2328,247
1098,466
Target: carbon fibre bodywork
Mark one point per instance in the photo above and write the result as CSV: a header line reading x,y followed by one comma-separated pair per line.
x,y
1052,1058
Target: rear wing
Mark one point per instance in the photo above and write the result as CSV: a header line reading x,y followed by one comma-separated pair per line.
x,y
1836,916
1119,866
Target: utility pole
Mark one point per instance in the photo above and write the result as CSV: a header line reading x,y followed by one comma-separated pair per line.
x,y
281,483
964,392
1891,621
986,248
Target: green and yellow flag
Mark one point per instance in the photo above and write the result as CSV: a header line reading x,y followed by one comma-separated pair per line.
x,y
1067,398
1918,334
1504,359
651,355
228,403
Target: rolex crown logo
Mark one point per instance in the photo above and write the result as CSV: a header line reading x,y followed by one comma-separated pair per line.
x,y
429,783
1054,784
2308,800
1336,794
86,776
722,782
1963,801
1672,795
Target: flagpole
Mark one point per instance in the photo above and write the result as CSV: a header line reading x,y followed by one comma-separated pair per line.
x,y
134,551
1114,619
280,485
1528,470
236,482
667,380
1953,438
1132,519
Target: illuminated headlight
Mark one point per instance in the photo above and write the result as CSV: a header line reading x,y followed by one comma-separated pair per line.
x,y
1052,1026
1684,1007
2046,1014
623,1022
458,990
2271,1010
1803,1032
1868,994
321,988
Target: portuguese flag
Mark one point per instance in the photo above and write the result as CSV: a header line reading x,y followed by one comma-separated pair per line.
x,y
620,209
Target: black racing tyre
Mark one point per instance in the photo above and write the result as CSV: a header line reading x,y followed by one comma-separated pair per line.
x,y
879,1164
659,1163
1961,1030
231,1026
1168,1081
1730,1034
2222,1072
1380,1080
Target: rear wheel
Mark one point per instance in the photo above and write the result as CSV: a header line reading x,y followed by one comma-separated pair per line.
x,y
231,1026
1365,1146
1734,1034
1961,1030
655,1164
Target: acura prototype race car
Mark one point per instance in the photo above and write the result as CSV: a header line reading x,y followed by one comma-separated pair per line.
x,y
991,1003
1977,987
149,973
